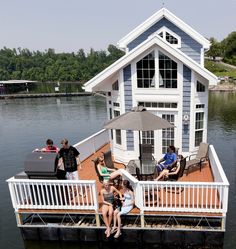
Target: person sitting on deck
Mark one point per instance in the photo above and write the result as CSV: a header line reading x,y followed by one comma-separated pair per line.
x,y
108,200
168,161
127,206
107,173
165,173
49,147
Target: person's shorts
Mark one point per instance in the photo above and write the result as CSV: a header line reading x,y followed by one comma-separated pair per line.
x,y
160,167
72,175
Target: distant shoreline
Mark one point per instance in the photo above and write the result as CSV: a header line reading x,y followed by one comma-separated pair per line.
x,y
42,95
223,88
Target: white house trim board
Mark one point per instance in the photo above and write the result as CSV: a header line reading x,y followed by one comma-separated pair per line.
x,y
147,44
155,18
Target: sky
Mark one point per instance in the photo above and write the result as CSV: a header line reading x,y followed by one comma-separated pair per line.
x,y
69,25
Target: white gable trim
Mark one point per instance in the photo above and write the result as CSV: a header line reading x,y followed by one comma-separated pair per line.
x,y
147,44
156,17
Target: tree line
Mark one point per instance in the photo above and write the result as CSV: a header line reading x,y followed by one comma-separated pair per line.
x,y
48,66
226,49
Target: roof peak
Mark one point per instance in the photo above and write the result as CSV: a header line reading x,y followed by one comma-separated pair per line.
x,y
163,12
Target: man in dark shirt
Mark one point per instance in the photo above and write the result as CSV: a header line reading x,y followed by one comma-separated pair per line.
x,y
70,157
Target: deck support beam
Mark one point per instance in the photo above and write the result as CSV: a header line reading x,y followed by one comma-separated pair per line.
x,y
142,220
18,218
97,219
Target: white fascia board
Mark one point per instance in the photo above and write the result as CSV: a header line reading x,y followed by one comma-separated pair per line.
x,y
156,17
147,44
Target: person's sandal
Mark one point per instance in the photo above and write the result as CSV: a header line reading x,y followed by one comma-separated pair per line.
x,y
113,230
117,235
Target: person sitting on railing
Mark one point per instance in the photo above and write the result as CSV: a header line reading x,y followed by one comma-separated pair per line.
x,y
108,199
49,147
165,173
127,206
168,161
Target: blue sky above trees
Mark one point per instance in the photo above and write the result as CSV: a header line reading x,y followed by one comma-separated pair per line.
x,y
70,25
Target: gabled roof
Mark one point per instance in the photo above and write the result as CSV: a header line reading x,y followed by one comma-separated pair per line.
x,y
154,40
155,18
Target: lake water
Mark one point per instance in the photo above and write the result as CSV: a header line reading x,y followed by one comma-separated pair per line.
x,y
25,124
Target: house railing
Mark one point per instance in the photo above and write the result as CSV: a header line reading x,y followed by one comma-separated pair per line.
x,y
90,145
53,194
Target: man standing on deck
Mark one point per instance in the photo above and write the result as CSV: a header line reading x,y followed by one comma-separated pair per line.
x,y
71,160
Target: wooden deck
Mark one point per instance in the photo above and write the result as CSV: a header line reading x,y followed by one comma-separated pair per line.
x,y
88,173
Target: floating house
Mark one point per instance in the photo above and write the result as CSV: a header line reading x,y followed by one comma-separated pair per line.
x,y
163,71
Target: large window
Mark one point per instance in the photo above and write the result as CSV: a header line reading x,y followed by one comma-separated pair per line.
x,y
199,124
148,138
118,132
168,135
167,72
146,71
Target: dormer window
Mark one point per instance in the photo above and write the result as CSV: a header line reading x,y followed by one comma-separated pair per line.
x,y
170,37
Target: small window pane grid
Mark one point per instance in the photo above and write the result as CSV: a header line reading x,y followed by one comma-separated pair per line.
x,y
158,104
148,138
199,124
169,38
116,104
116,113
168,135
167,72
146,71
115,86
200,106
200,87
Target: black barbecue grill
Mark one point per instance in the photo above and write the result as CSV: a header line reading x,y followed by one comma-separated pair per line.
x,y
43,165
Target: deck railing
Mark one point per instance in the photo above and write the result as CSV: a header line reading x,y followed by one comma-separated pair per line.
x,y
182,196
209,197
53,194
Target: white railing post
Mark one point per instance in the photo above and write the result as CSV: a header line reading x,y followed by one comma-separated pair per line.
x,y
225,199
12,194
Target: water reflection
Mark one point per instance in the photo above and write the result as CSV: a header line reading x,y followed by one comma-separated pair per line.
x,y
222,109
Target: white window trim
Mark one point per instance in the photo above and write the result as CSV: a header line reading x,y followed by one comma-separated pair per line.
x,y
164,29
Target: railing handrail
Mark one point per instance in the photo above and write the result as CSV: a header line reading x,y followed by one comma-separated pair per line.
x,y
12,179
218,164
90,137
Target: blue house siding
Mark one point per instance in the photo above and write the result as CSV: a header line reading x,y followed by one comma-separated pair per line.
x,y
188,45
186,106
128,103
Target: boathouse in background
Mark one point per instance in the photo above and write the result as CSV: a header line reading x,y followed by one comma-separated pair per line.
x,y
162,70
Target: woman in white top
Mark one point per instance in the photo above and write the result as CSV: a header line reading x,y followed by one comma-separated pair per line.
x,y
127,206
